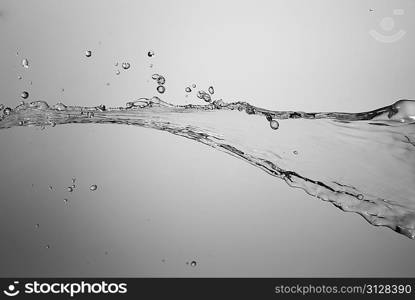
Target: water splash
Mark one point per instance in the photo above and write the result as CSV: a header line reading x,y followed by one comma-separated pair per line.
x,y
360,162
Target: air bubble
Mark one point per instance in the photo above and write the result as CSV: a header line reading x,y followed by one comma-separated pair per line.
x,y
161,80
59,106
70,189
25,63
193,85
188,90
37,225
125,65
117,72
211,90
25,95
88,53
47,246
274,124
19,77
161,89
155,76
7,111
150,53
66,201
360,197
193,264
295,152
93,187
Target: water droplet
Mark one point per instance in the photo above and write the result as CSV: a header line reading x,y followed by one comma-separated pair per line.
x,y
70,189
360,197
125,65
161,80
295,152
274,124
25,63
193,264
25,95
93,187
117,72
19,77
7,111
150,53
88,53
211,90
161,89
188,90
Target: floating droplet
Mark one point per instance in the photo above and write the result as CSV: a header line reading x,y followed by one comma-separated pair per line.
x,y
211,90
150,53
117,72
93,187
25,95
25,63
188,90
161,80
161,89
125,65
88,53
7,111
274,124
193,264
70,189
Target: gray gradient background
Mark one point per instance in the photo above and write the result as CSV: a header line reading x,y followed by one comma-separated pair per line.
x,y
162,200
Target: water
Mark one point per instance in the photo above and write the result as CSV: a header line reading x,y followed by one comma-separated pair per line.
x,y
360,162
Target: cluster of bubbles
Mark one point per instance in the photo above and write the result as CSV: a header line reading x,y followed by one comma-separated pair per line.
x,y
206,96
273,123
160,82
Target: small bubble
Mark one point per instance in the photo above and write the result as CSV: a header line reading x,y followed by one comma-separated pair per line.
x,y
62,90
274,124
70,189
155,76
108,84
60,106
66,201
125,65
25,95
106,252
188,90
211,90
151,65
360,197
37,225
193,264
150,53
51,187
117,72
116,64
93,187
7,111
88,53
161,89
25,63
19,77
193,85
47,246
161,80
53,124
21,123
295,152
31,82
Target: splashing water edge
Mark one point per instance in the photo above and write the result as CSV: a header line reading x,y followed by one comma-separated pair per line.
x,y
224,127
